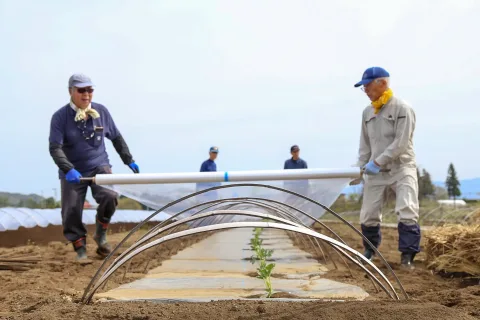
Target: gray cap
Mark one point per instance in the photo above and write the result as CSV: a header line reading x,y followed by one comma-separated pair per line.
x,y
80,81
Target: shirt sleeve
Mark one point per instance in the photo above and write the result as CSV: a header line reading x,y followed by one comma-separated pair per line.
x,y
305,166
111,130
285,165
202,167
403,133
122,149
364,150
113,134
56,140
56,129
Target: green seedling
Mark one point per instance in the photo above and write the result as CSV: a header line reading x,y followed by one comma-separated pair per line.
x,y
264,270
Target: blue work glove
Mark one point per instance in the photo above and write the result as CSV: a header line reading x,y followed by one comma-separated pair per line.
x,y
73,176
134,167
371,168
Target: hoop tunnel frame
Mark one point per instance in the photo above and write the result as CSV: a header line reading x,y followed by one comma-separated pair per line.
x,y
232,186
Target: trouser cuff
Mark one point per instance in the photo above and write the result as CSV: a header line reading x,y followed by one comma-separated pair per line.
x,y
409,238
77,244
101,222
373,234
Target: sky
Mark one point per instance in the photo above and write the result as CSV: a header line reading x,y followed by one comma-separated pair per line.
x,y
251,77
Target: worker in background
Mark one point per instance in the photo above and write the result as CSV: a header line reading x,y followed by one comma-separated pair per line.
x,y
295,162
386,142
298,186
209,165
77,146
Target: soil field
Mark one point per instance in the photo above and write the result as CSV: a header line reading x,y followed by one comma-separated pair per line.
x,y
52,288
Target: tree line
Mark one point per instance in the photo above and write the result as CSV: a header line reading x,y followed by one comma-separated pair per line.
x,y
426,191
47,203
51,203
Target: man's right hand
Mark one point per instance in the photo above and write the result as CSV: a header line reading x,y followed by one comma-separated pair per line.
x,y
73,176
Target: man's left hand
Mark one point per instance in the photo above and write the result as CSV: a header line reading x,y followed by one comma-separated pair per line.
x,y
134,167
372,168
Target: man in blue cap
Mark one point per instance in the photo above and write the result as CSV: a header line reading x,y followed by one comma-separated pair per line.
x,y
76,144
386,142
209,165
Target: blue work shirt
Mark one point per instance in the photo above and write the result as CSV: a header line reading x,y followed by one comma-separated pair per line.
x,y
208,166
295,164
85,154
299,186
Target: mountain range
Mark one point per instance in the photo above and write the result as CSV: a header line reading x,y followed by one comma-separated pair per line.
x,y
16,198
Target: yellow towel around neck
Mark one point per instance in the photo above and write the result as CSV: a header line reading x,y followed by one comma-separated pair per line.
x,y
83,113
380,102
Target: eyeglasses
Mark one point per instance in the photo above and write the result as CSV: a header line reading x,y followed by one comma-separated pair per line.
x,y
363,88
83,90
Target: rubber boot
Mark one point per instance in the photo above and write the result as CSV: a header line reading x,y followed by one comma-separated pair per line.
x,y
100,238
81,249
408,243
369,254
406,261
374,235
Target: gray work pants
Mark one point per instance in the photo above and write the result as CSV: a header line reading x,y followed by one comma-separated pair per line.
x,y
404,182
73,199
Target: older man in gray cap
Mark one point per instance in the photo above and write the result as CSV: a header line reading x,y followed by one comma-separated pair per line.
x,y
76,144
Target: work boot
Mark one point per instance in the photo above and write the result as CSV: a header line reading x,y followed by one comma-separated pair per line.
x,y
369,254
406,260
80,248
100,238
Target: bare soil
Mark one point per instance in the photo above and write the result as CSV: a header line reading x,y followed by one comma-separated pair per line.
x,y
54,286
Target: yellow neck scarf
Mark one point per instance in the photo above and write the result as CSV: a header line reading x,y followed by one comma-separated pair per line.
x,y
384,98
82,114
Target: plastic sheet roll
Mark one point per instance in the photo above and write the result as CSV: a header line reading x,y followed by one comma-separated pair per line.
x,y
227,176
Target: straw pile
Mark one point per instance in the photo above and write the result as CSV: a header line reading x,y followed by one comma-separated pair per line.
x,y
454,249
18,263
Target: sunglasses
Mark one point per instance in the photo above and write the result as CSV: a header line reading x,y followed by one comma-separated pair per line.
x,y
83,90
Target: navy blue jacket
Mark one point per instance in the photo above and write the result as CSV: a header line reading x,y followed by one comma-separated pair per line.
x,y
208,166
79,145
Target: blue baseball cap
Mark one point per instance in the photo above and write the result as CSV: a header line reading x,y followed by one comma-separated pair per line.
x,y
214,149
371,74
80,81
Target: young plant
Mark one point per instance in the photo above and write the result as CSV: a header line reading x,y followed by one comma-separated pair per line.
x,y
264,270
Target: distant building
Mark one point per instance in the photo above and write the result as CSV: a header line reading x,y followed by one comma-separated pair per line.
x,y
458,203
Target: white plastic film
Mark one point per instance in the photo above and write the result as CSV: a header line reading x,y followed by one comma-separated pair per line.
x,y
156,196
14,218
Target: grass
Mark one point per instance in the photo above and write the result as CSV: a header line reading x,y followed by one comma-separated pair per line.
x,y
431,213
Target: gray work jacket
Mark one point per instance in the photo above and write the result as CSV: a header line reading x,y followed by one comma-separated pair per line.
x,y
387,137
